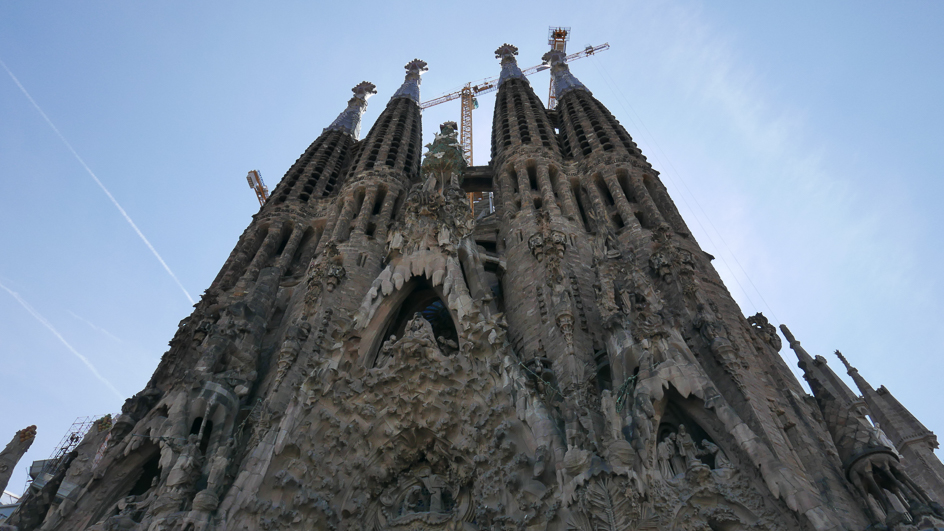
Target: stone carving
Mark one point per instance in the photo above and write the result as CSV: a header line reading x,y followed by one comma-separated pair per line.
x,y
532,404
289,351
765,331
14,450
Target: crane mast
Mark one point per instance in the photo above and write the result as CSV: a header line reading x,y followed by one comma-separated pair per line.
x,y
557,38
255,182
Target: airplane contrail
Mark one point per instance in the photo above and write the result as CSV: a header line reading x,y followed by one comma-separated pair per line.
x,y
94,327
98,182
32,311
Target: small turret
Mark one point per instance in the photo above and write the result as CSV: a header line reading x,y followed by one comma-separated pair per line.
x,y
564,80
507,52
349,120
393,143
411,85
869,459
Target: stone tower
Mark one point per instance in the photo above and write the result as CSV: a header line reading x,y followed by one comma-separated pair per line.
x,y
373,355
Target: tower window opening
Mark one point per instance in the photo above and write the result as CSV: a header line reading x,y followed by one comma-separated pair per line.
x,y
302,248
512,176
641,219
538,202
286,234
552,175
358,202
371,228
379,200
622,177
575,189
656,197
532,175
604,190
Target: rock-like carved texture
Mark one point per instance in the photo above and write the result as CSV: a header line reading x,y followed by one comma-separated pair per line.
x,y
620,388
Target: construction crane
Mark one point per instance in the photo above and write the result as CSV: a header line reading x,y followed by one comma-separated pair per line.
x,y
255,182
470,91
557,39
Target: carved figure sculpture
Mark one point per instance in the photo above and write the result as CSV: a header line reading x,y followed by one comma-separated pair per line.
x,y
289,351
686,446
666,450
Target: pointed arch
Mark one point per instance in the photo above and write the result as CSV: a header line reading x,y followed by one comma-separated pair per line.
x,y
416,295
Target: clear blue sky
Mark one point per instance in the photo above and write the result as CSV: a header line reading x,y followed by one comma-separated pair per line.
x,y
801,141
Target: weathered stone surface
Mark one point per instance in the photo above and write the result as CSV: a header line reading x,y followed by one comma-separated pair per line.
x,y
13,452
376,355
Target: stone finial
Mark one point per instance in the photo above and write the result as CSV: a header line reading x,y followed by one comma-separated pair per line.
x,y
411,85
507,52
849,368
13,452
564,81
349,120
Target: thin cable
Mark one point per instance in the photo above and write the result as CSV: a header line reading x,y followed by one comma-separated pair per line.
x,y
98,182
682,196
622,97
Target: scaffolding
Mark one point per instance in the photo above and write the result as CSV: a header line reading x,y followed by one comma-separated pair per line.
x,y
40,472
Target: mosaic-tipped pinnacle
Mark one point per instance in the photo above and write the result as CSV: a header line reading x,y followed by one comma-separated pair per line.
x,y
506,51
416,67
364,89
553,57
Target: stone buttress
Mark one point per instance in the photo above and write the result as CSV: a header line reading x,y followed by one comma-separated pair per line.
x,y
377,355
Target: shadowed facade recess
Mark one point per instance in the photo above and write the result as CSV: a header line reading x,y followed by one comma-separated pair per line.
x,y
376,355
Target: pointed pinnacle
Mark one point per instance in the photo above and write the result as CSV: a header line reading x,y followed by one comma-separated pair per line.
x,y
849,368
416,68
411,85
506,52
364,90
553,57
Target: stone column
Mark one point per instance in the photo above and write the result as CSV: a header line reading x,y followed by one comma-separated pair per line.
x,y
14,451
622,203
285,260
649,208
387,215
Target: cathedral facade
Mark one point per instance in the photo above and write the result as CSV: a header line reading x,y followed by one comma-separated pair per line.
x,y
378,353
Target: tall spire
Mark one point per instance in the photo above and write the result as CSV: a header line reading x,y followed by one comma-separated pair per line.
x,y
885,410
507,52
564,81
411,85
349,120
843,412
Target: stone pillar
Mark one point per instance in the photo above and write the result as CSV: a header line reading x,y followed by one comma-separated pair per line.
x,y
547,190
367,209
14,451
649,208
524,186
342,228
386,215
285,260
622,202
268,248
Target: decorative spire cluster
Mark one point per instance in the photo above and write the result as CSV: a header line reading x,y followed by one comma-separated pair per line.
x,y
564,81
507,52
411,85
349,120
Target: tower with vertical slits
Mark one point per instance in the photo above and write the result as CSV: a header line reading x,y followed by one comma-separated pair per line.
x,y
375,355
